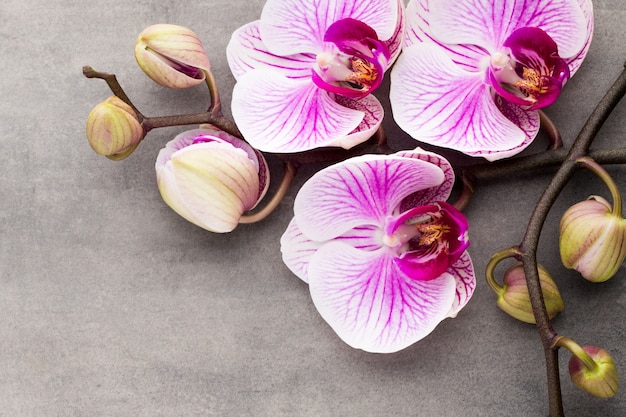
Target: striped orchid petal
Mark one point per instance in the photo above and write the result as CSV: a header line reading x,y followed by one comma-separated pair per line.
x,y
370,303
462,57
384,263
302,67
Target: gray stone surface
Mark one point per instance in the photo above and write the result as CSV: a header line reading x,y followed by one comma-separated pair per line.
x,y
113,305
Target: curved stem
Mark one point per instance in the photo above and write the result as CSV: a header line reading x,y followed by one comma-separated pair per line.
x,y
289,174
551,130
576,350
530,240
216,103
498,257
597,169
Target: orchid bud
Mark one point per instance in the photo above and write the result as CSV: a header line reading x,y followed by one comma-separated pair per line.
x,y
211,178
173,56
593,239
595,373
515,300
113,129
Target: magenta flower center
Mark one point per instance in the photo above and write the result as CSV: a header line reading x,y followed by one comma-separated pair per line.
x,y
426,240
528,70
355,61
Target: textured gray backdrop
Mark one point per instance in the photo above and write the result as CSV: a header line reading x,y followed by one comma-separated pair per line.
x,y
113,305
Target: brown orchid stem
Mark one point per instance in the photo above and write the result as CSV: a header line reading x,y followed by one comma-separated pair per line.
x,y
289,173
213,116
530,241
114,85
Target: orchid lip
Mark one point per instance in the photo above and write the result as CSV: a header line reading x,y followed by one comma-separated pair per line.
x,y
528,70
355,63
426,240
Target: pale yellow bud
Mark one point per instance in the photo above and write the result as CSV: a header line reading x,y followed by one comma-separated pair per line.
x,y
172,56
593,239
113,129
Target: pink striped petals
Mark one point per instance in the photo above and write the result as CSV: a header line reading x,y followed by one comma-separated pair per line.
x,y
439,103
382,270
303,68
462,57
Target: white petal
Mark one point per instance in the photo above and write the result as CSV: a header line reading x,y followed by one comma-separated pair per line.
x,y
279,114
440,192
370,304
487,23
359,192
373,117
463,272
527,120
297,250
418,31
246,52
438,103
298,26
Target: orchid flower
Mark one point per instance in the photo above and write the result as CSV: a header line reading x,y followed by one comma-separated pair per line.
x,y
384,255
473,73
211,178
306,69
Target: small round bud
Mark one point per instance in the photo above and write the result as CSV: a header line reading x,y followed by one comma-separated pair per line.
x,y
211,178
599,379
172,56
515,300
593,239
113,129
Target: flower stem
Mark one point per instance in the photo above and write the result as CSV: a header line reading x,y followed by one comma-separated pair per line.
x,y
597,169
576,350
289,173
530,241
491,266
212,116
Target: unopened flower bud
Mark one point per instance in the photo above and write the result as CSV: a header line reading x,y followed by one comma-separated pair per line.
x,y
113,129
598,376
515,300
172,56
211,178
593,239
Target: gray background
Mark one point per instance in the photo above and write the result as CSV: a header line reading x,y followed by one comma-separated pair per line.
x,y
113,305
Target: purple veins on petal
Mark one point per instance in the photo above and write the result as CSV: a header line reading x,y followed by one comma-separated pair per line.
x,y
370,303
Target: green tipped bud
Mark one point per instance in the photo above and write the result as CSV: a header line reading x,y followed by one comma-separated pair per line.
x,y
172,56
514,299
595,374
113,129
593,239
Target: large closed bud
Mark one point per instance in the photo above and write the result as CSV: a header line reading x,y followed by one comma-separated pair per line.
x,y
113,129
593,239
172,56
593,370
211,178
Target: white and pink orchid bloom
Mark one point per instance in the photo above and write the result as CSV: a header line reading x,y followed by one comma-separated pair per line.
x,y
384,256
211,178
474,72
306,69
